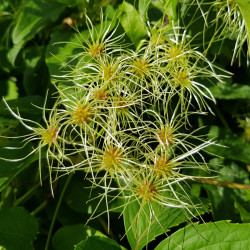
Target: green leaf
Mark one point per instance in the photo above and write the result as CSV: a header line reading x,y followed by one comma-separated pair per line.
x,y
230,91
170,7
24,105
79,188
8,169
140,231
244,6
97,242
243,208
13,52
60,51
67,237
35,75
233,147
132,23
34,16
12,91
223,199
18,229
143,8
71,3
209,236
4,63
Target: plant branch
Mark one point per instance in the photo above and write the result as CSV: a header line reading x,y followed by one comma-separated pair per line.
x,y
39,208
106,228
221,117
222,183
56,211
27,195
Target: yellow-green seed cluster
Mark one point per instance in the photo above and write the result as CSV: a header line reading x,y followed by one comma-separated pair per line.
x,y
122,115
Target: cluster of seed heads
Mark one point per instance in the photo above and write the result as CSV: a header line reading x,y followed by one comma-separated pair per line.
x,y
223,19
122,115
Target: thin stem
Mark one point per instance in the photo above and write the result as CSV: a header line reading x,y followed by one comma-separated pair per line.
x,y
106,228
222,183
39,208
56,211
221,117
27,195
